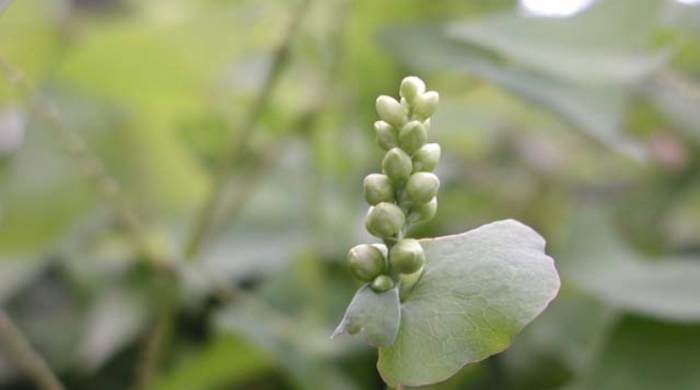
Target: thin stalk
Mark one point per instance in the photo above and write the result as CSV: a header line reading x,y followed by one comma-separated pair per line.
x,y
22,352
237,145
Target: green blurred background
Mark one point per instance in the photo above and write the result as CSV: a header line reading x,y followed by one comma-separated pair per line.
x,y
120,118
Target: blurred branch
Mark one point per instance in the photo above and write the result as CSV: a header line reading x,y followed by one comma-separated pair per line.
x,y
237,145
107,186
25,356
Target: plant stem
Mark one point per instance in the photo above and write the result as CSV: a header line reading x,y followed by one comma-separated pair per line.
x,y
26,357
237,145
106,185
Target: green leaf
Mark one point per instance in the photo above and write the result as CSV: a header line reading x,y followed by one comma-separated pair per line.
x,y
480,288
218,364
601,265
677,97
588,48
375,315
644,354
597,110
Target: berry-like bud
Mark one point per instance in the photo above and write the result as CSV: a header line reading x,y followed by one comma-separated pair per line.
x,y
391,111
426,158
425,105
412,136
408,281
384,220
382,248
378,188
423,212
386,135
407,256
411,87
382,283
422,187
397,165
366,262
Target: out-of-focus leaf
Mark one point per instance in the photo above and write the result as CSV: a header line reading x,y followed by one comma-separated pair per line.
x,y
375,315
587,48
598,262
15,274
3,5
303,349
225,360
678,97
643,354
478,291
596,110
115,319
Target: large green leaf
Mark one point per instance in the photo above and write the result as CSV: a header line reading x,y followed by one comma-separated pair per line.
x,y
478,291
599,263
588,48
375,315
595,109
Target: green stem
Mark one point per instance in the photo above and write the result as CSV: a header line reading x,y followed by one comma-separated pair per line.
x,y
25,356
237,145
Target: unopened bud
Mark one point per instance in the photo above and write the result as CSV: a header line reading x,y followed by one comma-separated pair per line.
x,y
423,212
406,256
386,135
382,283
397,165
384,220
412,136
425,105
422,187
426,158
411,87
366,262
391,111
378,188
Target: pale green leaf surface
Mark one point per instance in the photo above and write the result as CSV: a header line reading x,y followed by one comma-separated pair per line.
x,y
588,48
601,265
374,315
595,109
480,288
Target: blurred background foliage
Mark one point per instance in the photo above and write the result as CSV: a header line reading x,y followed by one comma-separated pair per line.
x,y
142,114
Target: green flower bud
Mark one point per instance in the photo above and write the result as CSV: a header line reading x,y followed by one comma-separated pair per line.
x,y
412,136
425,105
397,165
391,111
386,135
382,248
384,220
407,256
378,188
366,262
421,187
423,212
426,158
408,281
411,87
382,283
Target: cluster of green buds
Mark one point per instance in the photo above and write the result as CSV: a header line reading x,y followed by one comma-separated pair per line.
x,y
404,193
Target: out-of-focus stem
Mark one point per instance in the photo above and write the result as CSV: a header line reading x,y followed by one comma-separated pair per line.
x,y
238,144
22,352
